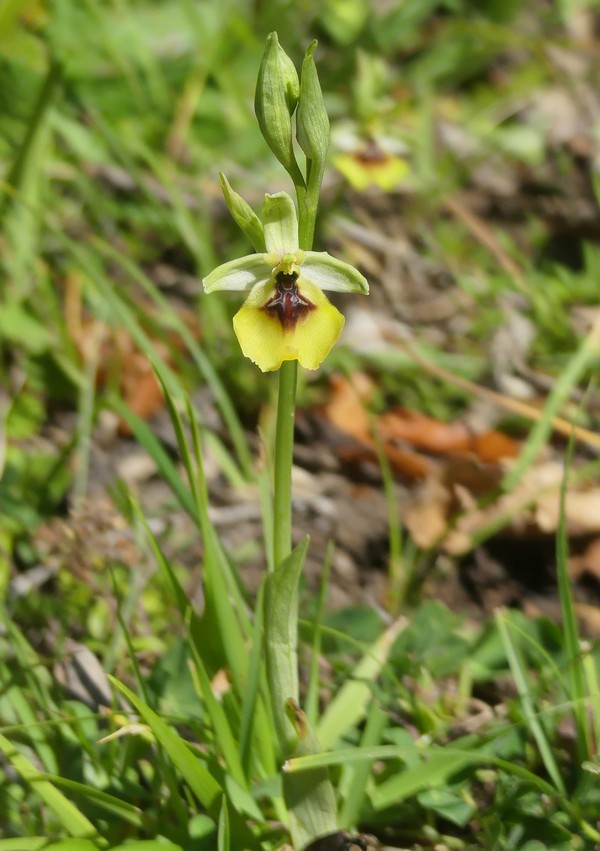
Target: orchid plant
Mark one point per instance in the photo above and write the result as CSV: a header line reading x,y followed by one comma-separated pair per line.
x,y
287,320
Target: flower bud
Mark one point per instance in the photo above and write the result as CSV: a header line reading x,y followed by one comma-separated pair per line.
x,y
312,122
277,92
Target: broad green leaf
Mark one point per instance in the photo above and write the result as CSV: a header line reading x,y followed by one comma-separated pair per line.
x,y
309,796
281,640
449,804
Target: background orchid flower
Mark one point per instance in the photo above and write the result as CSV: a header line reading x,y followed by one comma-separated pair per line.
x,y
286,315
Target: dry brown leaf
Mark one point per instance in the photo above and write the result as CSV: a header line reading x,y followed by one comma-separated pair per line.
x,y
345,410
445,438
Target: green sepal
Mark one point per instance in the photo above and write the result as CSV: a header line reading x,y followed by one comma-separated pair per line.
x,y
277,92
308,795
312,121
243,273
243,215
329,273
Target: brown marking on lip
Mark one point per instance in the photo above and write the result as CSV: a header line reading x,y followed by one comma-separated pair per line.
x,y
287,304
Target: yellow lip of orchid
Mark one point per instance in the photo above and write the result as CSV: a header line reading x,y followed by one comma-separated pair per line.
x,y
286,315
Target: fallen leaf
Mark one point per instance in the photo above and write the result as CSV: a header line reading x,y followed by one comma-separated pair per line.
x,y
445,438
346,410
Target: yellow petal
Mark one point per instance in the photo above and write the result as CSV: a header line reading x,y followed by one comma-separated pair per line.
x,y
315,335
263,339
260,337
389,173
357,175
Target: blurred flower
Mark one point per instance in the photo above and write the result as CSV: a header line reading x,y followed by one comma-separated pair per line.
x,y
286,315
376,161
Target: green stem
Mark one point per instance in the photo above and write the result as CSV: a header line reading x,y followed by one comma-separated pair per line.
x,y
310,803
284,450
308,201
286,403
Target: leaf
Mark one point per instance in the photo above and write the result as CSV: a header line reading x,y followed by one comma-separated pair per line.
x,y
309,796
281,639
17,325
447,804
223,839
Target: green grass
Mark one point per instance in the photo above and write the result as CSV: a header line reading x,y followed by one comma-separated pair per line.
x,y
115,120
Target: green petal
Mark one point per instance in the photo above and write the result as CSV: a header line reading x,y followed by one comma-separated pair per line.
x,y
328,273
240,274
280,223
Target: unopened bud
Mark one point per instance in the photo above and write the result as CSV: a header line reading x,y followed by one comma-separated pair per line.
x,y
312,122
277,92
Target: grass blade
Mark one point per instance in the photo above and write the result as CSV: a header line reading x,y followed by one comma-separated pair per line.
x,y
587,351
208,372
192,769
575,668
223,840
355,777
349,705
521,679
73,821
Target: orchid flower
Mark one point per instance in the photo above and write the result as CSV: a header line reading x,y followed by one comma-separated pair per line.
x,y
286,315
